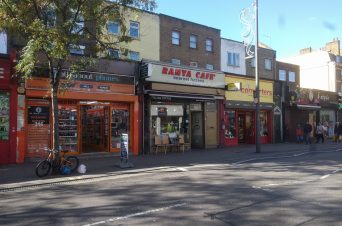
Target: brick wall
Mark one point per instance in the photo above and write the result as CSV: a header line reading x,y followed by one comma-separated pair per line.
x,y
263,54
183,52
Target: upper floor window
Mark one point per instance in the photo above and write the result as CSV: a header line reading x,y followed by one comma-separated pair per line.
x,y
292,76
134,29
49,17
175,38
77,49
193,64
209,45
193,41
133,55
115,53
233,59
175,61
268,64
79,25
113,28
3,43
253,62
209,67
282,75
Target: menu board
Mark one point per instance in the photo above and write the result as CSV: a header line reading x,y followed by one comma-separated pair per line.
x,y
4,115
38,135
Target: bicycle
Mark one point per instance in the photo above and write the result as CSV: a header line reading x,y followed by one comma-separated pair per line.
x,y
44,167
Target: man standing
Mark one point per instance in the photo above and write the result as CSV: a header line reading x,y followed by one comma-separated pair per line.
x,y
307,131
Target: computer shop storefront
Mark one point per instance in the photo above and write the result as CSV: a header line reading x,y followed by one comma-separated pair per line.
x,y
94,111
239,112
182,103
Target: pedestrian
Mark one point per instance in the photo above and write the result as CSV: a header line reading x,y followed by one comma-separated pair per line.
x,y
320,133
299,134
336,136
338,132
307,130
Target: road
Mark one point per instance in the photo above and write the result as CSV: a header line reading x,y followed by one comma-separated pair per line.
x,y
294,188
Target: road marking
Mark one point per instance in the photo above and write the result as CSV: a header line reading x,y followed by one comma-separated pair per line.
x,y
182,169
136,214
325,176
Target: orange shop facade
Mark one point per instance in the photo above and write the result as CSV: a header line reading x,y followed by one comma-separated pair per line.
x,y
94,110
239,111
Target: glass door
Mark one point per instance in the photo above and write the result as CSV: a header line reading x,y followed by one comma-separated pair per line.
x,y
119,124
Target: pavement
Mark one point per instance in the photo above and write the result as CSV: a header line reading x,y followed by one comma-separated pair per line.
x,y
102,165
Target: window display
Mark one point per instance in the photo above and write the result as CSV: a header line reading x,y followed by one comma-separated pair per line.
x,y
68,128
230,127
4,115
119,125
263,124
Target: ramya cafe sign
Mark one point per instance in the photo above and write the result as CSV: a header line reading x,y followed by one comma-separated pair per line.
x,y
184,76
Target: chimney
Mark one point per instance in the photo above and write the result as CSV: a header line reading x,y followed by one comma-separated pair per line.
x,y
333,47
305,50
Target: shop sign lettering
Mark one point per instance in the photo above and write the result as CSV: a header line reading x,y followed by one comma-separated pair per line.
x,y
185,76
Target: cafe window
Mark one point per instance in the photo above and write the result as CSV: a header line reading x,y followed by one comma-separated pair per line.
x,y
4,115
230,127
171,121
209,67
175,38
193,41
175,61
263,123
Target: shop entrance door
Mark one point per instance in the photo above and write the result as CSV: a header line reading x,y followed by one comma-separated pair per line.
x,y
241,128
197,130
95,128
119,124
4,127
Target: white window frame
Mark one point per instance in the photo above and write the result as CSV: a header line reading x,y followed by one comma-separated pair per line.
x,y
77,49
3,43
282,75
175,61
116,24
193,64
175,38
79,24
112,51
292,76
134,31
233,59
209,67
268,64
193,41
133,55
209,45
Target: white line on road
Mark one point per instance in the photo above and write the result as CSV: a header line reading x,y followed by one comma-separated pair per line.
x,y
325,176
137,214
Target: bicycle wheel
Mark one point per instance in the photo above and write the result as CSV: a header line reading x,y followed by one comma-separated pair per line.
x,y
43,168
72,162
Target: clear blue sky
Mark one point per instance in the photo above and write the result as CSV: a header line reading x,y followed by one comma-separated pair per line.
x,y
285,25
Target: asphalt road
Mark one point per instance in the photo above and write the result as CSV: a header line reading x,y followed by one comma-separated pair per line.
x,y
298,188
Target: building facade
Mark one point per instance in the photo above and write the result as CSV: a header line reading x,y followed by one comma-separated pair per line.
x,y
189,44
233,57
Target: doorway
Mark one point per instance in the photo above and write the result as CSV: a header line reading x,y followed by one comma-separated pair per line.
x,y
241,128
197,130
95,128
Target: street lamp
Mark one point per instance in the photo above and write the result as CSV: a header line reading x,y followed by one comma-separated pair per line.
x,y
250,34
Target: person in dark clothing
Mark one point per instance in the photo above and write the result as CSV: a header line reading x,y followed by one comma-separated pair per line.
x,y
338,131
307,130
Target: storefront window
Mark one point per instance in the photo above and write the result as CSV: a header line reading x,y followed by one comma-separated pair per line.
x,y
170,120
4,115
68,128
119,125
230,128
263,124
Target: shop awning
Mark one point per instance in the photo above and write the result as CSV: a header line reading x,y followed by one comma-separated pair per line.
x,y
183,95
308,107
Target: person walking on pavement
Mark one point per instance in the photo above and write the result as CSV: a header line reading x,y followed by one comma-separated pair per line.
x,y
338,132
307,131
320,133
299,134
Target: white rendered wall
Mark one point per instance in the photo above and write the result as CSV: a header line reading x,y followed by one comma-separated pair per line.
x,y
235,47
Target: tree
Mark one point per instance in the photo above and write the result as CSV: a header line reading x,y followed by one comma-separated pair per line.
x,y
49,28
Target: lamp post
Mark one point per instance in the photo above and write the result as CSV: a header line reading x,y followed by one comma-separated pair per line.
x,y
250,34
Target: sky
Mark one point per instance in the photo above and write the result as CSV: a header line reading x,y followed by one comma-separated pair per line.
x,y
285,25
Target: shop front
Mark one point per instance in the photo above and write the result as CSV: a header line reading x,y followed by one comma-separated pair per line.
x,y
182,105
239,111
8,112
313,106
94,110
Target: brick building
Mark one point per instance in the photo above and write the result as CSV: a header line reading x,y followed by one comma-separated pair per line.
x,y
189,44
